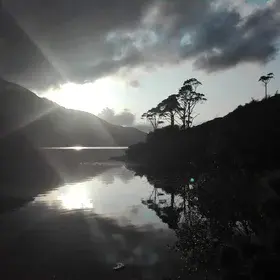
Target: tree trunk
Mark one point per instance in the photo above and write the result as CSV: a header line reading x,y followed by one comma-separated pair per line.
x,y
184,120
172,119
189,117
184,199
265,86
172,199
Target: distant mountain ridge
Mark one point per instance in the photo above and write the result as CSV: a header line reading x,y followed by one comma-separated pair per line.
x,y
45,123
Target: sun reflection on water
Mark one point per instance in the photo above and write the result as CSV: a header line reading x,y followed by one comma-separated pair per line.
x,y
78,148
75,199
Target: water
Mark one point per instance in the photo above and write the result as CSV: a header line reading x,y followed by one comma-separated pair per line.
x,y
80,148
102,213
83,227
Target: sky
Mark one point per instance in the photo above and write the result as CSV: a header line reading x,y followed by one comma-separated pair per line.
x,y
129,55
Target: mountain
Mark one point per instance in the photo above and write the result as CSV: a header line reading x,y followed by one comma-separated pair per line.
x,y
46,124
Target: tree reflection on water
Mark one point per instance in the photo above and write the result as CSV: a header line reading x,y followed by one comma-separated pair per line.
x,y
227,222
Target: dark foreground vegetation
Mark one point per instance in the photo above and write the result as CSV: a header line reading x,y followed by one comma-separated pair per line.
x,y
247,138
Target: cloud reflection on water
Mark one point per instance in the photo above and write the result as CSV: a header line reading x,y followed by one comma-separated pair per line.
x,y
120,200
84,228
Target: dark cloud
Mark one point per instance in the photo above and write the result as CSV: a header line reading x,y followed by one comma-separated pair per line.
x,y
226,40
124,118
20,59
54,41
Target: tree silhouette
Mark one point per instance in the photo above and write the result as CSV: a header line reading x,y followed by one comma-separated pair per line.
x,y
154,117
168,108
265,80
179,105
188,98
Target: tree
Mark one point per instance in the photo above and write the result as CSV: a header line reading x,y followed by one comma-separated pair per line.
x,y
188,98
154,117
265,80
169,108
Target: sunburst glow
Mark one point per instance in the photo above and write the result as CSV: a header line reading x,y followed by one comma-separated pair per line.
x,y
89,97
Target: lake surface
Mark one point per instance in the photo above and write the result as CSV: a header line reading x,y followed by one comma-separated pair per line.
x,y
83,227
80,148
160,225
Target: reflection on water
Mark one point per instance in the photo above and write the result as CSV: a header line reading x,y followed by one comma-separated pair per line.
x,y
116,193
80,230
75,199
223,223
80,148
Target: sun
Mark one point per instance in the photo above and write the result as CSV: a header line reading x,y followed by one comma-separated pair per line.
x,y
89,97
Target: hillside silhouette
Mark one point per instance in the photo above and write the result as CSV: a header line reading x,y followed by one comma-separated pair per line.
x,y
247,138
44,123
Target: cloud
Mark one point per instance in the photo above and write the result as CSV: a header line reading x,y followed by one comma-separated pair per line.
x,y
78,41
226,39
134,83
124,118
